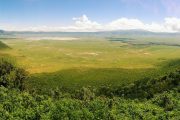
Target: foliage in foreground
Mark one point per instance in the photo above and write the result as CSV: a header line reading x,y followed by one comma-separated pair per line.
x,y
86,104
12,76
22,105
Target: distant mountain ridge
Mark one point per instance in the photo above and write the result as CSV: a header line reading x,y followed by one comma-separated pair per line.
x,y
2,31
134,32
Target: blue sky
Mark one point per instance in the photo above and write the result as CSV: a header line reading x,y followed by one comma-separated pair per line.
x,y
53,13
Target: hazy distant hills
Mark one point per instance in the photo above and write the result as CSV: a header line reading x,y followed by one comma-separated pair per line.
x,y
2,31
138,32
135,32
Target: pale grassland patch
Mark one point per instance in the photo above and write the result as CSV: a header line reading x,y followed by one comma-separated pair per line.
x,y
89,53
146,53
51,38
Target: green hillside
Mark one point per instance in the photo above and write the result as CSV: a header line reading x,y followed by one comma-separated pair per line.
x,y
3,46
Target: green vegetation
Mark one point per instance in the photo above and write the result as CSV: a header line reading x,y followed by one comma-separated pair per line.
x,y
3,46
87,104
16,105
11,76
145,88
96,78
92,61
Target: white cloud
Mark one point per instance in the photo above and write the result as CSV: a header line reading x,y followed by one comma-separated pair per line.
x,y
172,24
84,24
169,25
124,23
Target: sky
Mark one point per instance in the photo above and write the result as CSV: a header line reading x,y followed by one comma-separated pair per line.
x,y
90,15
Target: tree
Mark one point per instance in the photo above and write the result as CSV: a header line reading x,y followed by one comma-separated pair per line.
x,y
12,76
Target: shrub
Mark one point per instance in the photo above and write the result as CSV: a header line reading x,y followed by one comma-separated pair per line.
x,y
12,76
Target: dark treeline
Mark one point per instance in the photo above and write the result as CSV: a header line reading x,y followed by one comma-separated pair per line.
x,y
144,99
145,88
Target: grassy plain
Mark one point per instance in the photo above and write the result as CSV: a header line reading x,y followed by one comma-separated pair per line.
x,y
93,61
